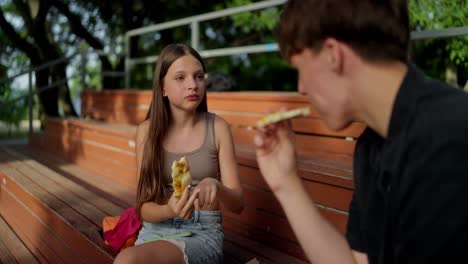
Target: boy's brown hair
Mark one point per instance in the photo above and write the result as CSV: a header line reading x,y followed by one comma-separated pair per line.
x,y
377,30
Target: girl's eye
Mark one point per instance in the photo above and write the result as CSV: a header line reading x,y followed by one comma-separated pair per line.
x,y
200,77
179,78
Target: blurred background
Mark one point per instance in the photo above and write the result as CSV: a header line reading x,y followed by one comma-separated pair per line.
x,y
64,47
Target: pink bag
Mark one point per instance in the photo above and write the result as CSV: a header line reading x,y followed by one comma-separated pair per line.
x,y
126,228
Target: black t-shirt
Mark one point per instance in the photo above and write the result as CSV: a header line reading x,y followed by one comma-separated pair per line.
x,y
410,203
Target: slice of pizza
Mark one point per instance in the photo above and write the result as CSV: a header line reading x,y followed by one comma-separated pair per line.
x,y
280,116
181,177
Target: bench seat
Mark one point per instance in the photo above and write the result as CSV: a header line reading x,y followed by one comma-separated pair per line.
x,y
56,208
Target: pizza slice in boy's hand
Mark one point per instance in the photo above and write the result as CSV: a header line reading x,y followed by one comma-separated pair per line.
x,y
280,116
181,177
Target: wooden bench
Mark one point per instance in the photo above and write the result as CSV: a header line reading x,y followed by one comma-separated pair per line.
x,y
324,158
12,249
55,209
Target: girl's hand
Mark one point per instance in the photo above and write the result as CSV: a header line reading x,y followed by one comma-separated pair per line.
x,y
208,190
183,207
276,155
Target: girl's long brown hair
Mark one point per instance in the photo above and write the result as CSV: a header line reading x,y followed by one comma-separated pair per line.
x,y
150,182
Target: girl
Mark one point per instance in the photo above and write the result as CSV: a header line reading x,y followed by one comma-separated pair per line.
x,y
185,230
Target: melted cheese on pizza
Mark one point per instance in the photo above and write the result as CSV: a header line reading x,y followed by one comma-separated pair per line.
x,y
181,177
280,116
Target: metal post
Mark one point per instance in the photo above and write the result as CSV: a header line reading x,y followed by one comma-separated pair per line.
x,y
127,61
30,103
84,57
195,35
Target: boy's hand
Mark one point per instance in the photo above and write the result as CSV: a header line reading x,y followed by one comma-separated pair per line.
x,y
276,154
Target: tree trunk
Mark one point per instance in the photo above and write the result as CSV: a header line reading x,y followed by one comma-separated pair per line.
x,y
64,97
48,98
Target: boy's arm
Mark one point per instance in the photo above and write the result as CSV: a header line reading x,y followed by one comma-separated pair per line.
x,y
321,242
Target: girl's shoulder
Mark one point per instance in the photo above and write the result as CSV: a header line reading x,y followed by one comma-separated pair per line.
x,y
218,122
142,131
222,129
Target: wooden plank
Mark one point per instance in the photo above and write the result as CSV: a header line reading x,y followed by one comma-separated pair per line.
x,y
129,116
124,96
5,254
303,125
125,161
275,222
11,244
119,130
256,106
70,225
233,253
119,144
265,221
305,144
122,143
322,194
109,190
265,238
93,162
42,237
87,203
263,253
309,168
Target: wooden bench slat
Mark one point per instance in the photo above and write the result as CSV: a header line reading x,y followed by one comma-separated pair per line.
x,y
12,249
263,254
256,106
81,155
5,255
37,234
323,194
266,238
303,125
93,205
331,172
68,224
109,190
119,130
233,253
305,145
275,222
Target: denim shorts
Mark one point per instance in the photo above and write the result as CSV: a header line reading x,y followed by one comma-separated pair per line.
x,y
202,236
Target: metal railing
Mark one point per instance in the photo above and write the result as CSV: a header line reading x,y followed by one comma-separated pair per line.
x,y
194,22
83,52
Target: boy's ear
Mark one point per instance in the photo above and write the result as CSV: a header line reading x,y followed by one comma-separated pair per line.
x,y
334,54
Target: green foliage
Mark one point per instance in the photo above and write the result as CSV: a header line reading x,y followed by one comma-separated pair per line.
x,y
11,113
437,54
254,21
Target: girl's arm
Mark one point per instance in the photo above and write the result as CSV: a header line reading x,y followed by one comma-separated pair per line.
x,y
175,207
230,191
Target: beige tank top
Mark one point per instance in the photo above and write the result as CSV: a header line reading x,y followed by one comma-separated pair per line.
x,y
203,161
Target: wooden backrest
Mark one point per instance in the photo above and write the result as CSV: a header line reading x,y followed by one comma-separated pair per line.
x,y
324,157
116,106
313,138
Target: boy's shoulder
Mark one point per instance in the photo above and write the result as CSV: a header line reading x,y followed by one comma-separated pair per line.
x,y
441,112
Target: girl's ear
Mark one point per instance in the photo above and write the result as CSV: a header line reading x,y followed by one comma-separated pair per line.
x,y
164,93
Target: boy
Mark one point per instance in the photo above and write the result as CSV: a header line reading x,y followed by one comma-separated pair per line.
x,y
410,203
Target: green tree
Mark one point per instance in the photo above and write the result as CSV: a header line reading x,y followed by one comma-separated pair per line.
x,y
34,38
445,58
